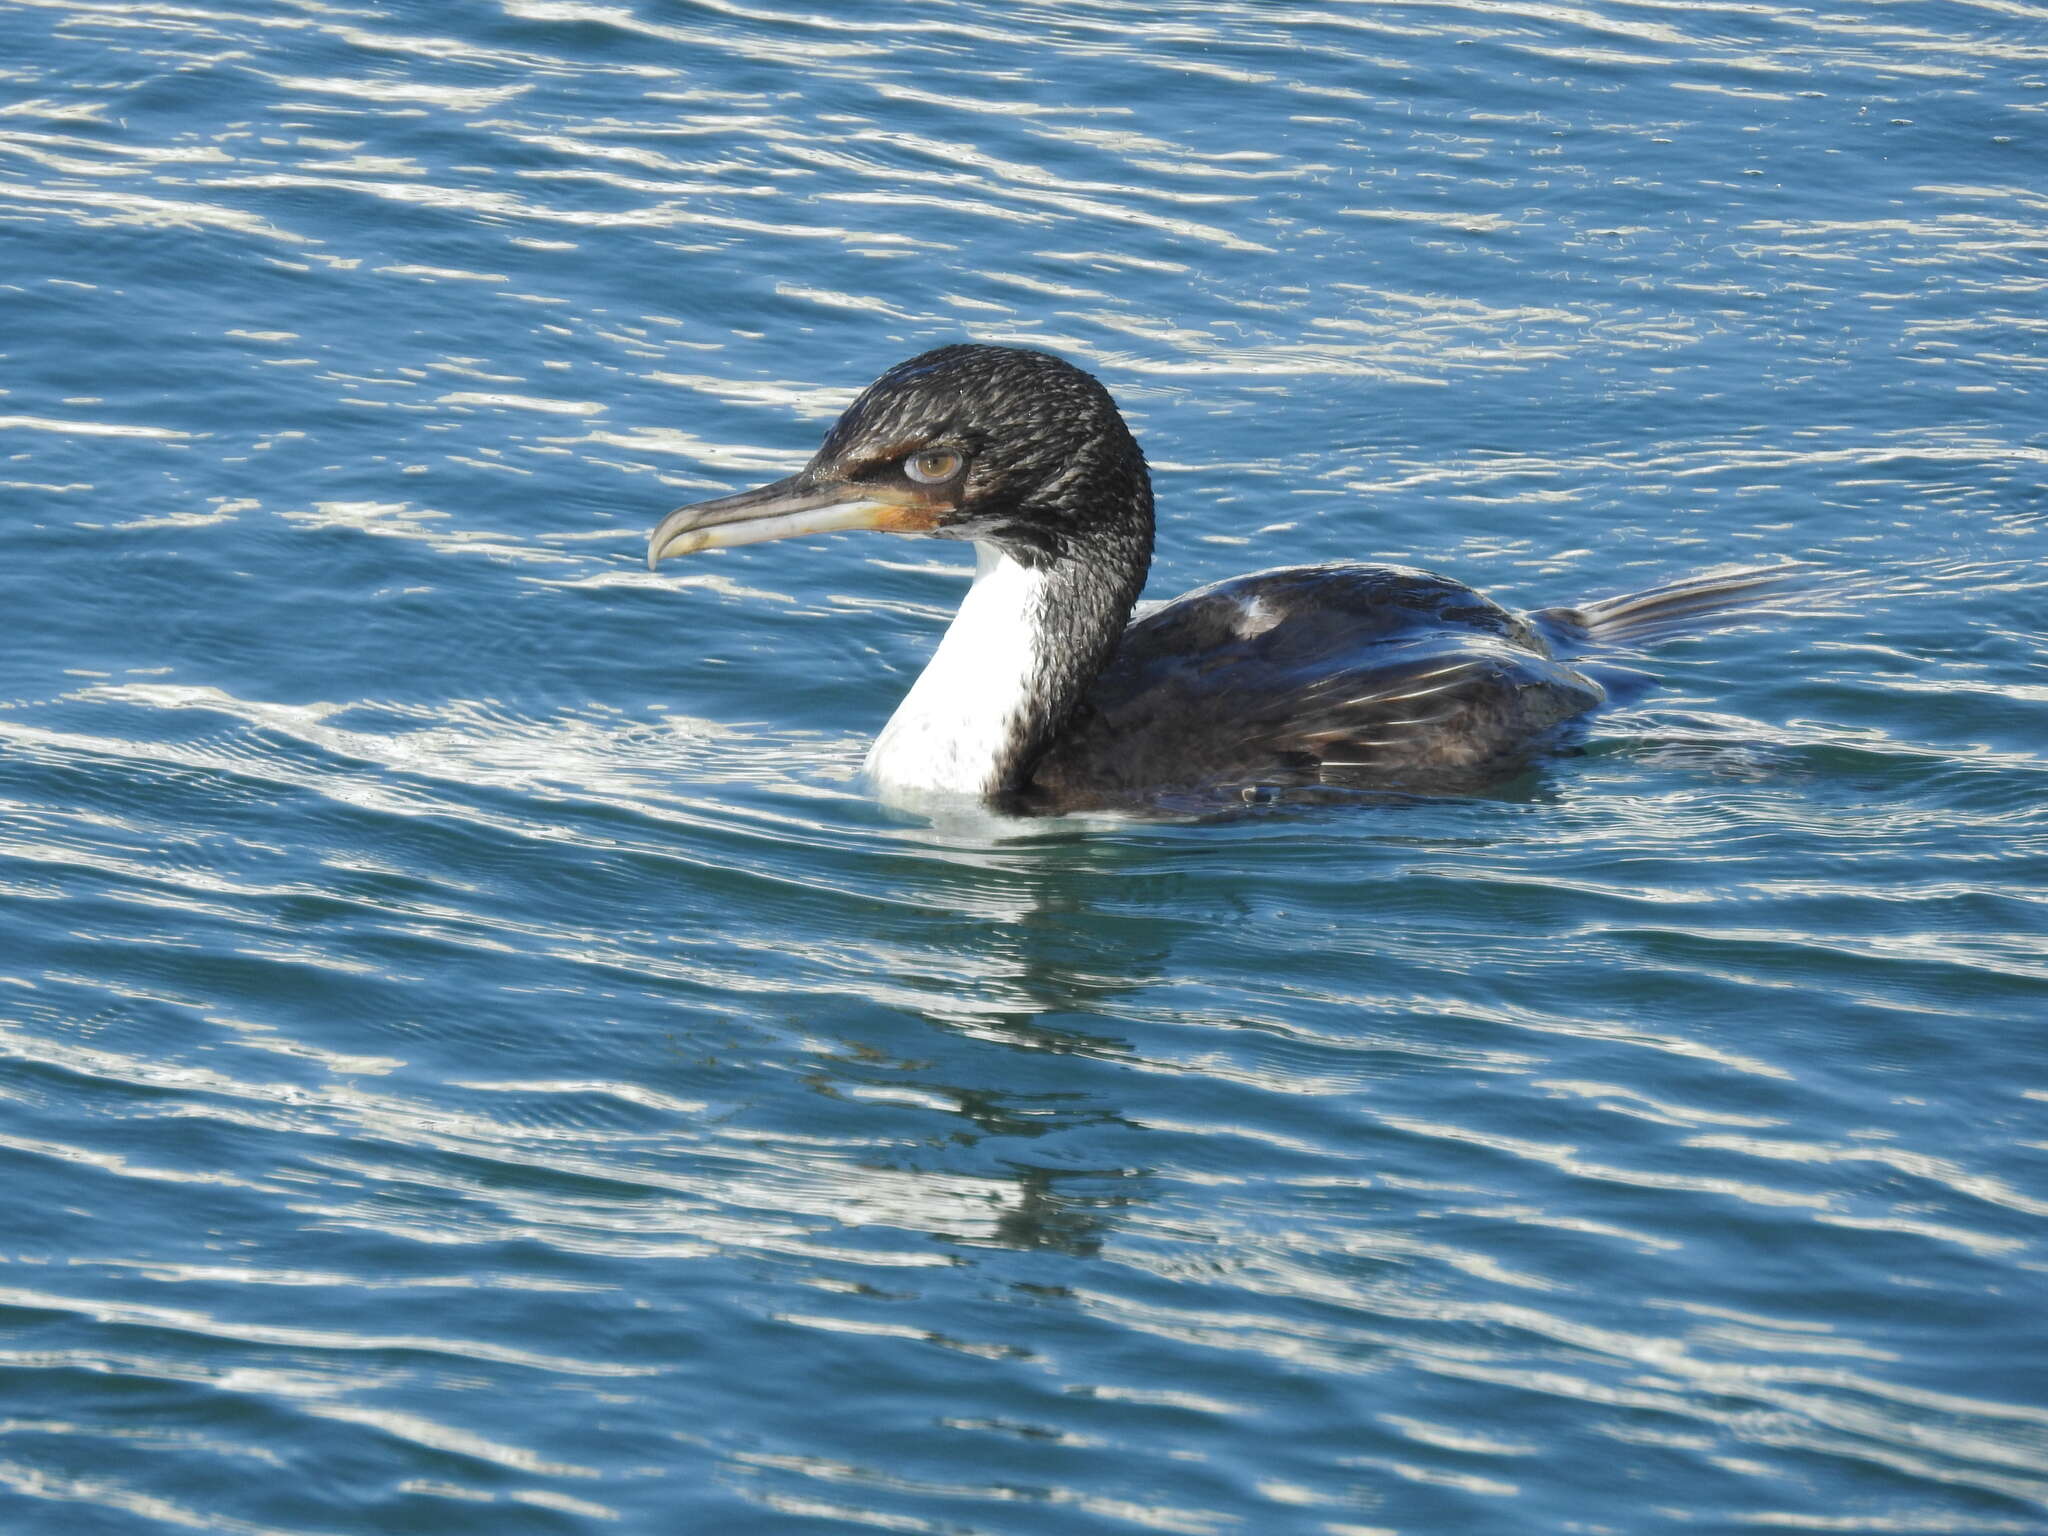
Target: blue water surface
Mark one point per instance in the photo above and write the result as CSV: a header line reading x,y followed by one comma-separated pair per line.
x,y
474,1057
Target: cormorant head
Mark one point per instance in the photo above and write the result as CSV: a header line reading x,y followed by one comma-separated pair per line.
x,y
1001,444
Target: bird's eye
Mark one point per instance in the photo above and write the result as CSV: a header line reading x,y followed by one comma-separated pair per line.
x,y
932,467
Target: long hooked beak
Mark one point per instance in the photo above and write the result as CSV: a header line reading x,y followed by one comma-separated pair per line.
x,y
784,510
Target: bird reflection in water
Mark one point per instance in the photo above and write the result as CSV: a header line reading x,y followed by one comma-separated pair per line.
x,y
1023,1060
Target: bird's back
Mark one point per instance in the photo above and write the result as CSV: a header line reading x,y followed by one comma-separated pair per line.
x,y
1347,675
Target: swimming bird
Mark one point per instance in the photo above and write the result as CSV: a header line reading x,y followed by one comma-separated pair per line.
x,y
1044,697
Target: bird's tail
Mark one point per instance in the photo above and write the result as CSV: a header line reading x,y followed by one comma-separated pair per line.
x,y
1718,598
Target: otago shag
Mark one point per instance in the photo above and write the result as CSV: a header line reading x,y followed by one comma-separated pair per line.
x,y
1045,697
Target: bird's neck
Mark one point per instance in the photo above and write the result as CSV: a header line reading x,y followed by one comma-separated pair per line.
x,y
1013,666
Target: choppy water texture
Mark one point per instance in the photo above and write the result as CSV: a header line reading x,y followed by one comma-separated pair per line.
x,y
475,1059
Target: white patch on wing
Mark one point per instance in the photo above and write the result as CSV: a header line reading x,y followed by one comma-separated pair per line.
x,y
1255,616
951,730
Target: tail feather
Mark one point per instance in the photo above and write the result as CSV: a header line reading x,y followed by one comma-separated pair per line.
x,y
1702,602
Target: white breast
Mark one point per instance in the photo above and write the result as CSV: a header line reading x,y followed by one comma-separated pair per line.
x,y
951,732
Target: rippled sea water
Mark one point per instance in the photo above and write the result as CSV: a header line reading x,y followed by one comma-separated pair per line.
x,y
476,1059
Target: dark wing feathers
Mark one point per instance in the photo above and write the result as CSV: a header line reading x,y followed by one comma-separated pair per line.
x,y
1350,675
1361,677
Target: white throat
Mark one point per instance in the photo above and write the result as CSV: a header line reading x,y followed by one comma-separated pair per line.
x,y
958,725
